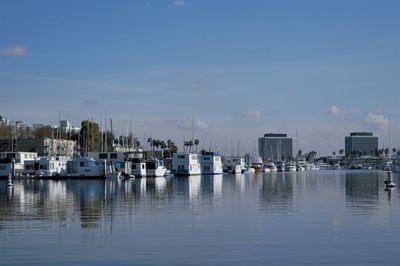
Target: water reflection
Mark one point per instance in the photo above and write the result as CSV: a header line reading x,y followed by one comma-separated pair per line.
x,y
276,193
97,202
217,187
362,190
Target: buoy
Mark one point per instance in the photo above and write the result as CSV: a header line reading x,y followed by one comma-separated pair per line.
x,y
389,182
9,181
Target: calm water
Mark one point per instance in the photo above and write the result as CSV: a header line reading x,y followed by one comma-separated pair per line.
x,y
307,218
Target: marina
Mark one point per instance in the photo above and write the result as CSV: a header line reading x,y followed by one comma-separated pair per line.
x,y
191,133
225,219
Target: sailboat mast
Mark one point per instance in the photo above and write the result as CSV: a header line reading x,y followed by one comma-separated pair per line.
x,y
105,137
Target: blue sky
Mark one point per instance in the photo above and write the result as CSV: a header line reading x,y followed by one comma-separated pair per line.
x,y
240,68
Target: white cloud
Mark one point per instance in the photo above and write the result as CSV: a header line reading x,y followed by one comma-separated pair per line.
x,y
377,120
179,3
255,113
187,124
16,51
335,110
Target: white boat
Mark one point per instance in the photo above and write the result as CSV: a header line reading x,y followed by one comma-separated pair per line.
x,y
115,162
313,167
46,166
280,166
257,164
271,167
19,160
251,170
211,163
301,165
5,167
155,168
84,167
290,166
138,167
235,165
186,164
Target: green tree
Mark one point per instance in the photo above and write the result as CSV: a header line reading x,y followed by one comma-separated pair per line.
x,y
90,136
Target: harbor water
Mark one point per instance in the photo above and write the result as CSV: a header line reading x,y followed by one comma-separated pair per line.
x,y
303,218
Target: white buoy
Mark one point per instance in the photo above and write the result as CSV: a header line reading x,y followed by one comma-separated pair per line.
x,y
389,182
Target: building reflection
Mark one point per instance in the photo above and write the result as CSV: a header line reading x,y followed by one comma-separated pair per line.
x,y
95,204
276,193
362,190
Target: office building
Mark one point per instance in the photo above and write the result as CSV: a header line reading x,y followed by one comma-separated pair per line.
x,y
273,147
361,143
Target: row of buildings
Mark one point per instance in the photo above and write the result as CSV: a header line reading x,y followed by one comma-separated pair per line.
x,y
278,146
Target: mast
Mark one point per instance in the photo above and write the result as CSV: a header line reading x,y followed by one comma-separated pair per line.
x,y
192,128
297,143
101,132
106,135
111,128
238,149
389,134
131,135
59,127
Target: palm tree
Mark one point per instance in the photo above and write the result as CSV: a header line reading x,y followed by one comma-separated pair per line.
x,y
163,145
190,144
386,152
185,144
299,154
196,142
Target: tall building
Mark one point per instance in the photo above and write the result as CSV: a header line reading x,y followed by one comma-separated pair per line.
x,y
361,143
275,147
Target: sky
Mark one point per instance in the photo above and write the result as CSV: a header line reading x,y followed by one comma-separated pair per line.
x,y
317,70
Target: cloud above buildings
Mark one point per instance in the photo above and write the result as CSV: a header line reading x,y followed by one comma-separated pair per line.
x,y
377,121
254,113
187,124
15,51
335,110
179,3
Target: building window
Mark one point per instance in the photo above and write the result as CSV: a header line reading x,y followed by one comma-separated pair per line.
x,y
113,155
103,156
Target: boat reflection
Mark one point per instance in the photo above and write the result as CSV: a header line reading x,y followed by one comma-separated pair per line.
x,y
96,203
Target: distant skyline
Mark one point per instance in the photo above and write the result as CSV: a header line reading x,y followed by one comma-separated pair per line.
x,y
240,68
